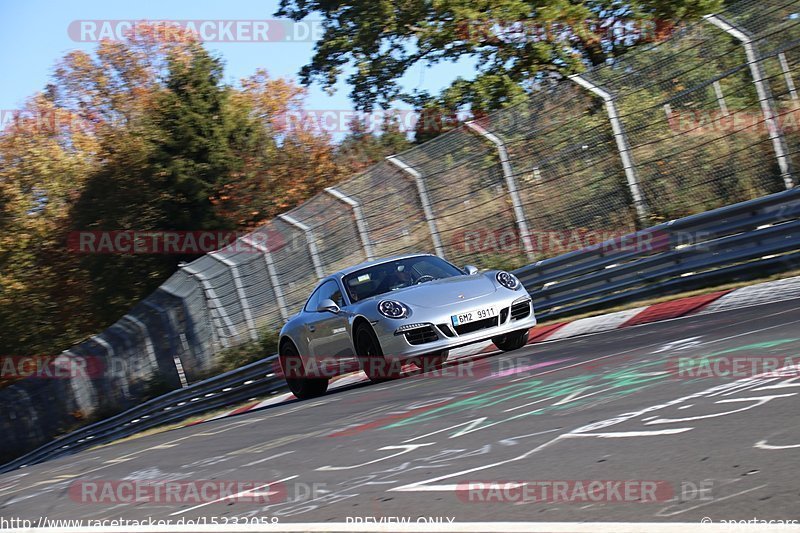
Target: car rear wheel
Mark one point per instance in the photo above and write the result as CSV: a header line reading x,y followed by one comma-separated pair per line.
x,y
302,387
511,341
370,356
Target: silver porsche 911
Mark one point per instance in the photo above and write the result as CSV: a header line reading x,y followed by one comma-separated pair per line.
x,y
382,314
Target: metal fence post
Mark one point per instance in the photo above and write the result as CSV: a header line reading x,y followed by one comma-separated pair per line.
x,y
642,210
787,75
764,98
511,185
273,274
422,190
312,242
176,359
81,394
148,342
112,355
211,296
237,282
361,224
723,107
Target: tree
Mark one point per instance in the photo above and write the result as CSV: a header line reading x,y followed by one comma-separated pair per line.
x,y
191,135
284,162
516,43
161,169
143,134
44,158
364,147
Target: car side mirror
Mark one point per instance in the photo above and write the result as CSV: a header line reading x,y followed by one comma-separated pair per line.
x,y
471,270
328,306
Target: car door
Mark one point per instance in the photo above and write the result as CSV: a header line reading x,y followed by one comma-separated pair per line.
x,y
329,340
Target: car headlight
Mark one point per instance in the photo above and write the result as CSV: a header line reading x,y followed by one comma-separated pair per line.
x,y
392,309
509,281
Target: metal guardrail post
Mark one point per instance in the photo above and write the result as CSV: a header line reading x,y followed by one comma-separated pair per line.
x,y
148,342
175,357
237,282
211,296
79,394
361,223
723,107
105,344
111,356
787,75
642,210
424,199
765,100
312,242
215,338
511,185
273,274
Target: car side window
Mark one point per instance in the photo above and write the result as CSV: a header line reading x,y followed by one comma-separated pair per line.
x,y
313,301
331,291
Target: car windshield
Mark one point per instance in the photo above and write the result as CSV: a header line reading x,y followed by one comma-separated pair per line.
x,y
394,275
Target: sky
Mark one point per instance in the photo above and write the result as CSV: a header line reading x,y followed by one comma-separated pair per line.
x,y
37,33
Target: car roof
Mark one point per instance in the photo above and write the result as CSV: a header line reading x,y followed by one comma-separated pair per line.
x,y
365,264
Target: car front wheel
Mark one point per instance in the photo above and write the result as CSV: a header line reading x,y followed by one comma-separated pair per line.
x,y
511,341
370,356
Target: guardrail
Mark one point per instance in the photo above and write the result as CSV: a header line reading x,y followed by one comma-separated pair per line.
x,y
255,379
742,240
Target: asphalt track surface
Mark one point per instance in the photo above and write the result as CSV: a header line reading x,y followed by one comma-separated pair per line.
x,y
609,406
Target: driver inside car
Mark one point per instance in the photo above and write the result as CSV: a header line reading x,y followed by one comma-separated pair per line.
x,y
398,278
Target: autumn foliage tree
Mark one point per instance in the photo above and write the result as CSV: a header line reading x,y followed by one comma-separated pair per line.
x,y
288,162
145,135
46,156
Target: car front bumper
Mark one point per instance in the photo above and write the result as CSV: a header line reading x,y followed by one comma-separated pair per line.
x,y
418,341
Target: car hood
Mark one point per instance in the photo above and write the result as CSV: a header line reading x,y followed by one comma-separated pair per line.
x,y
443,292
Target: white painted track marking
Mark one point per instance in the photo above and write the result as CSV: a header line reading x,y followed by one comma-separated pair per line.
x,y
182,511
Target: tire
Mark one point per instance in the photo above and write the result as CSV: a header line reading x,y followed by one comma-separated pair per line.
x,y
511,341
292,365
370,356
431,361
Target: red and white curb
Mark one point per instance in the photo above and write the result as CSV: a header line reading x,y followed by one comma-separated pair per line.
x,y
784,289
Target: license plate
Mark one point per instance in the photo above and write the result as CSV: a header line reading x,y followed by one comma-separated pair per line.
x,y
473,315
